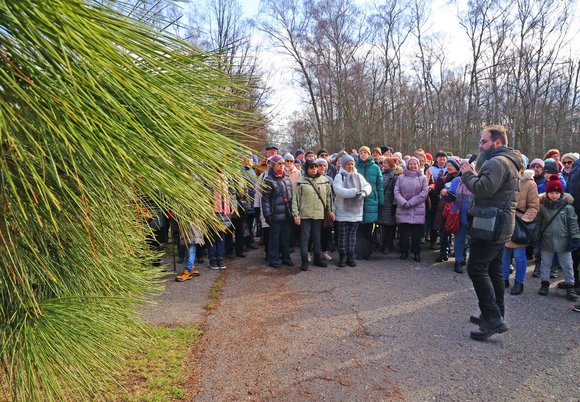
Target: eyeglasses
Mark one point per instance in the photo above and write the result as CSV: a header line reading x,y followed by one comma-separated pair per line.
x,y
279,163
567,163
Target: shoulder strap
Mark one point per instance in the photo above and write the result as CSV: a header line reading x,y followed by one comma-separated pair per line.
x,y
552,220
318,194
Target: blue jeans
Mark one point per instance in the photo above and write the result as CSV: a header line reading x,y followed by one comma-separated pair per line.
x,y
460,243
521,263
190,258
216,245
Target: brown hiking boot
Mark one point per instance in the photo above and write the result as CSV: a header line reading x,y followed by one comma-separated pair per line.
x,y
185,276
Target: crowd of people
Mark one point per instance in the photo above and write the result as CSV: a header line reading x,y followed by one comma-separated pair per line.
x,y
380,201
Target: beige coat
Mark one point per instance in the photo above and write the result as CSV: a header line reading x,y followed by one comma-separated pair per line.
x,y
528,201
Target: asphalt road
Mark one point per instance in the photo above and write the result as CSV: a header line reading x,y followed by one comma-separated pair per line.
x,y
385,330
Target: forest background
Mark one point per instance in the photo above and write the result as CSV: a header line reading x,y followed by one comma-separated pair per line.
x,y
387,72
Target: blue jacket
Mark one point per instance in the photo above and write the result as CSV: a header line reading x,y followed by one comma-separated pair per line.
x,y
373,175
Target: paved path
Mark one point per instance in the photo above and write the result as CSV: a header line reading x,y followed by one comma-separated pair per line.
x,y
386,330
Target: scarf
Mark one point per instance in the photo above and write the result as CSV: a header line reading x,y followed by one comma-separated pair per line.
x,y
352,180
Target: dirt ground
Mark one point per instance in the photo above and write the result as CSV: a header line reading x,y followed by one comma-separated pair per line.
x,y
387,330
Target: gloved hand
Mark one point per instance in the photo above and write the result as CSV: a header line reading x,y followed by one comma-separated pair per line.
x,y
360,194
574,244
407,205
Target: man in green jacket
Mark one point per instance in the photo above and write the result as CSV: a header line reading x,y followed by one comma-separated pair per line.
x,y
494,185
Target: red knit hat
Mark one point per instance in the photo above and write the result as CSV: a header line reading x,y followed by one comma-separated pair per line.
x,y
554,184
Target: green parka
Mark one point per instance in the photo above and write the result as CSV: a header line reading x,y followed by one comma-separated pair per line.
x,y
564,227
373,175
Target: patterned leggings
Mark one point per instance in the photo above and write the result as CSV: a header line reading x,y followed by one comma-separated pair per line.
x,y
347,237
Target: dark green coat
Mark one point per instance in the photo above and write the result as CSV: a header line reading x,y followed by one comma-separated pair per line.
x,y
373,175
564,227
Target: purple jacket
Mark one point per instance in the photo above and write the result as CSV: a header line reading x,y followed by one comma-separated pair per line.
x,y
411,187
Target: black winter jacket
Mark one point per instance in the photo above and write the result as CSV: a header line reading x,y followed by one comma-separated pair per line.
x,y
276,197
496,185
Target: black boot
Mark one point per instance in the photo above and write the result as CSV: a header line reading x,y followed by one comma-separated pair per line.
x,y
350,261
341,260
536,273
404,255
571,294
458,268
319,262
305,263
483,332
544,288
506,283
518,288
441,258
417,257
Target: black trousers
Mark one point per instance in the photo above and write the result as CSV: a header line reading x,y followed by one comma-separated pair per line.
x,y
485,271
415,232
389,232
364,242
310,231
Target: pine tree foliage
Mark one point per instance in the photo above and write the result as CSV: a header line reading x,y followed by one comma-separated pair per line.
x,y
98,114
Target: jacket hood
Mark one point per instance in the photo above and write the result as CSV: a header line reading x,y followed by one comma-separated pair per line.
x,y
527,175
513,155
568,199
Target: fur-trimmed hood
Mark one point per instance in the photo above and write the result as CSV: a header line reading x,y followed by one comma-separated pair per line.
x,y
528,174
567,198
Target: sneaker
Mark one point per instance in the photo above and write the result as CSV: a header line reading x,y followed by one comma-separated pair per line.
x,y
221,264
326,256
185,276
213,265
576,308
309,257
553,272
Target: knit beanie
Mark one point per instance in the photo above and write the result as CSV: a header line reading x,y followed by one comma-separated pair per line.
x,y
321,151
551,153
345,159
569,155
275,159
298,152
364,148
538,162
454,163
321,161
384,149
551,167
554,184
288,157
377,149
411,159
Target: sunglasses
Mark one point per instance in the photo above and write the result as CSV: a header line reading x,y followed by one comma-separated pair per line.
x,y
567,163
279,163
380,163
313,166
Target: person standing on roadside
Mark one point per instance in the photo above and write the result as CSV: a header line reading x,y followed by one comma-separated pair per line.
x,y
493,186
